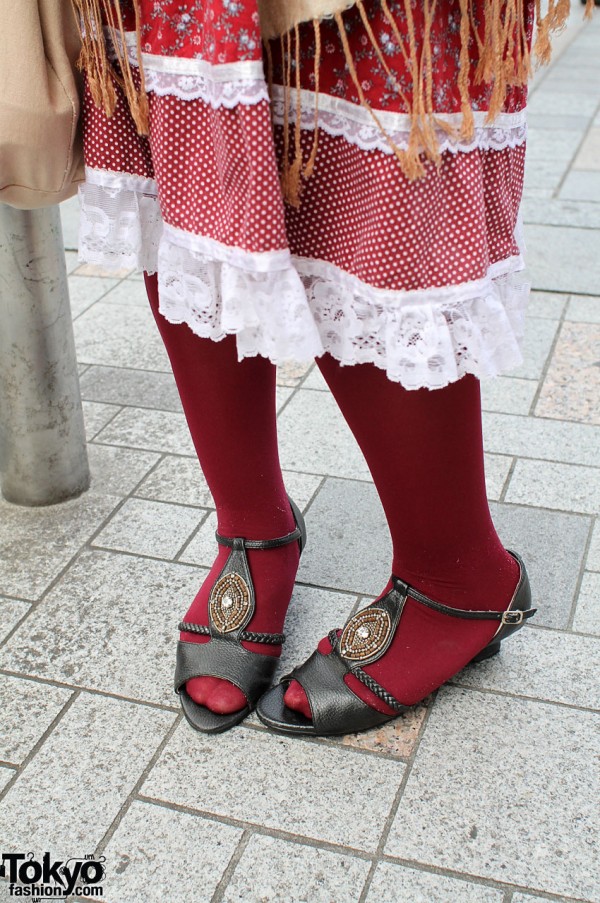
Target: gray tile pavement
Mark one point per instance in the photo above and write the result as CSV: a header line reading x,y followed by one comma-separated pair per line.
x,y
549,440
540,334
11,612
258,784
560,145
120,336
6,775
107,625
131,388
85,292
593,558
583,309
563,260
483,794
313,429
553,544
52,536
549,305
350,546
545,484
508,394
551,211
550,665
587,613
176,480
529,898
201,549
81,776
29,708
97,415
557,103
303,873
158,851
157,529
588,158
118,471
469,809
581,186
394,882
142,428
497,469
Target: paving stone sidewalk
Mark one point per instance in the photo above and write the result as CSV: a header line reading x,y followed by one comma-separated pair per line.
x,y
487,793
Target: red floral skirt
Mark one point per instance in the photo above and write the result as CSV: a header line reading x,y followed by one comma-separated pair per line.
x,y
416,277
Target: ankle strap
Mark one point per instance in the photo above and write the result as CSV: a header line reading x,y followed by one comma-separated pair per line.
x,y
241,543
273,639
511,616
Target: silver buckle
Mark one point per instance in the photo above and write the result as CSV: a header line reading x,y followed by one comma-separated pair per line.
x,y
514,617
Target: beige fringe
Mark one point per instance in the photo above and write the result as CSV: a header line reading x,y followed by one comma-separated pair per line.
x,y
286,62
101,75
310,166
502,54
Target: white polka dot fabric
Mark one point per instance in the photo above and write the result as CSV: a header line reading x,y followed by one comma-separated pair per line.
x,y
417,277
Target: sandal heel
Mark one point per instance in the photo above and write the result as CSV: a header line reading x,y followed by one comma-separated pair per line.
x,y
488,652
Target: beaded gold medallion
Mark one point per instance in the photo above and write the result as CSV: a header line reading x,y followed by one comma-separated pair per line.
x,y
229,603
365,634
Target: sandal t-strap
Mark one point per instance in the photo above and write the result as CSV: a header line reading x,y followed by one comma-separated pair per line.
x,y
365,638
231,607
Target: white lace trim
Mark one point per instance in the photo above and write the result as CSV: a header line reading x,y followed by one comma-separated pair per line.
x,y
120,223
424,339
215,93
294,309
231,84
339,117
242,70
219,85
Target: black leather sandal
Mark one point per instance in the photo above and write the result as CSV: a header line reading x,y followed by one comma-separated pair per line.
x,y
230,609
364,639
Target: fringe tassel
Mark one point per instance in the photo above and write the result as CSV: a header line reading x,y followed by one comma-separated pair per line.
x,y
294,184
413,168
429,137
270,68
498,44
553,22
310,166
467,128
379,52
499,70
92,16
401,155
286,61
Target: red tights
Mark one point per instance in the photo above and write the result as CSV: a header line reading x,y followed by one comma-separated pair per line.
x,y
424,450
230,410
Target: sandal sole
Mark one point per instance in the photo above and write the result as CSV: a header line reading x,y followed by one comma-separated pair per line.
x,y
204,720
274,714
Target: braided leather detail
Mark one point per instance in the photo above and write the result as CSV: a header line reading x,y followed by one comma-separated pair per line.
x,y
273,639
332,636
376,688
